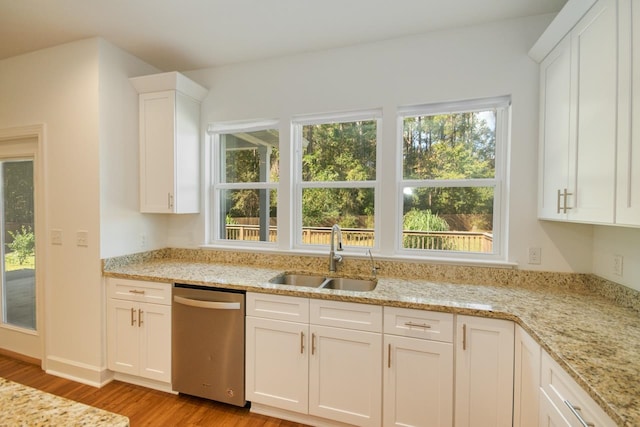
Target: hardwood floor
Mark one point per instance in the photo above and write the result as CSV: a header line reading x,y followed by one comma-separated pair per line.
x,y
143,406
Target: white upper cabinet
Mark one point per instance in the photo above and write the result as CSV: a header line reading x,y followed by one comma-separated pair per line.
x,y
555,101
628,162
169,143
579,104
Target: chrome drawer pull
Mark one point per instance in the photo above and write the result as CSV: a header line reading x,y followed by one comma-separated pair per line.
x,y
575,410
464,336
417,325
135,291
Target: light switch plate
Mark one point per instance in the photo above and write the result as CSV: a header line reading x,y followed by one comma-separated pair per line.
x,y
82,238
56,236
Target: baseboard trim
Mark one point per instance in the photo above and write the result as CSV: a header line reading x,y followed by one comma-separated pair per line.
x,y
144,382
80,372
21,357
295,417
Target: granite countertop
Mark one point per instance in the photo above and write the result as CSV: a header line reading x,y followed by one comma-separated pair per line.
x,y
596,340
26,406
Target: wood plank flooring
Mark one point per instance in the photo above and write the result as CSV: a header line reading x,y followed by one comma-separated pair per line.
x,y
143,406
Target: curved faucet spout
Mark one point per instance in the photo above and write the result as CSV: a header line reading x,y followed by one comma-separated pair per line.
x,y
333,258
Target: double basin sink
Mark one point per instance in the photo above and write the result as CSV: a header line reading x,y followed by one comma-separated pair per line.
x,y
323,282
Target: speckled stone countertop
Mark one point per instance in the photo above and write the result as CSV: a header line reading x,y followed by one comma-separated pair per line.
x,y
25,406
579,321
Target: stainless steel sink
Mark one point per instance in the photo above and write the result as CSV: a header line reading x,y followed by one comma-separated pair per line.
x,y
308,280
319,281
346,284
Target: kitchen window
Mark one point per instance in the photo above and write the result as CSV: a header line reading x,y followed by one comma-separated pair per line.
x,y
452,186
336,178
245,177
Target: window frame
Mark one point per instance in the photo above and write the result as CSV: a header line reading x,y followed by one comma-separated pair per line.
x,y
499,182
298,185
215,177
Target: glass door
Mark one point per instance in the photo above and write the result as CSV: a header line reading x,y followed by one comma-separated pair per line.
x,y
17,238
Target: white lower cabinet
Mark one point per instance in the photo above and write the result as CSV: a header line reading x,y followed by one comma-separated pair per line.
x,y
563,402
526,380
139,332
325,364
418,368
344,375
484,372
277,368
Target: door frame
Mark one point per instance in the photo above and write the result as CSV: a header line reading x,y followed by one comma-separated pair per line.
x,y
32,345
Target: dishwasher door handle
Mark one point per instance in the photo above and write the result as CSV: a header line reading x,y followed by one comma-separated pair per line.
x,y
215,305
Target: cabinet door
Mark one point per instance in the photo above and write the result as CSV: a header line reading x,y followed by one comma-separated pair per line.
x,y
594,46
345,381
157,167
154,324
527,380
418,382
484,372
122,336
277,367
628,174
187,155
555,105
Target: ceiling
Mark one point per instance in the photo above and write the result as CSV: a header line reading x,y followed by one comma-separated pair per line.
x,y
184,35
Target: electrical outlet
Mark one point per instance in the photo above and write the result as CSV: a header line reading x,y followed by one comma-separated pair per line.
x,y
535,255
143,240
82,238
617,265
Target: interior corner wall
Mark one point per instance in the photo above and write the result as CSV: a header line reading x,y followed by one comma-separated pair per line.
x,y
475,62
123,229
609,242
58,87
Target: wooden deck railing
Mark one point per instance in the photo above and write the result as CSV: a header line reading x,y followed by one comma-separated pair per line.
x,y
466,241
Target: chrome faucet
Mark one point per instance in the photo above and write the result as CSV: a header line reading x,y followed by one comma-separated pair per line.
x,y
333,258
374,269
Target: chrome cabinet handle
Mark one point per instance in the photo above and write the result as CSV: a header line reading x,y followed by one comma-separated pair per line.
x,y
563,195
464,336
313,344
389,356
140,318
417,325
169,200
574,410
301,342
133,316
558,201
136,291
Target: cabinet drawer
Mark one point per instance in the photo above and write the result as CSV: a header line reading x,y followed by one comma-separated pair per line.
x,y
278,307
563,391
137,290
362,317
418,324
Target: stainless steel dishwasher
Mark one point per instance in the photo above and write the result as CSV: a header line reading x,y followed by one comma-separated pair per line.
x,y
208,343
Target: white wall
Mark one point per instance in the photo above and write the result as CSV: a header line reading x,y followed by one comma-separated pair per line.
x,y
81,93
483,61
609,241
123,229
59,87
